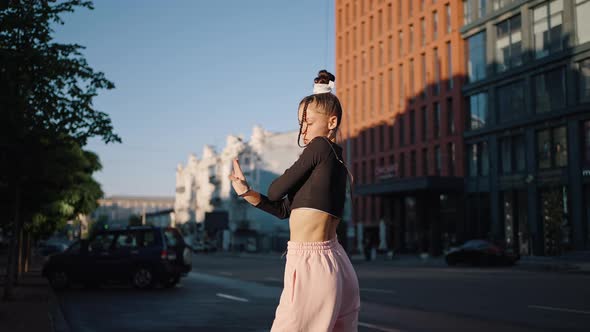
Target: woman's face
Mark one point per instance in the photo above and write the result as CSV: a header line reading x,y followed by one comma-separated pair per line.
x,y
315,124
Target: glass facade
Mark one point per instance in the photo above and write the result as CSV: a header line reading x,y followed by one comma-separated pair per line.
x,y
478,111
550,91
548,28
476,59
508,44
510,101
552,148
583,21
584,81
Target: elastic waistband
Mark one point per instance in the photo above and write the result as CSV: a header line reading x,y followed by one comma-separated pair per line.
x,y
312,246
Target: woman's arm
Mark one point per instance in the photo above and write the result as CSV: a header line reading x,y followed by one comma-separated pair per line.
x,y
280,209
299,172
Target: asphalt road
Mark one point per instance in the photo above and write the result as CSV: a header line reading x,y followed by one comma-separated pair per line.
x,y
229,293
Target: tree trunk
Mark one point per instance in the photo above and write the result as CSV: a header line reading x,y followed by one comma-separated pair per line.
x,y
13,253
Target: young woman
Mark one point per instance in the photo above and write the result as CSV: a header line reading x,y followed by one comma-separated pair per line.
x,y
321,291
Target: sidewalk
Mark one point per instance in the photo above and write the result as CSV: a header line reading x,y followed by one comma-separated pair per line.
x,y
34,307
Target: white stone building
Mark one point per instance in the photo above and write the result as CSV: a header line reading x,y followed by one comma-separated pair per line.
x,y
202,185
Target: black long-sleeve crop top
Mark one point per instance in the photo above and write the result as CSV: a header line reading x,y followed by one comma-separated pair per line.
x,y
316,180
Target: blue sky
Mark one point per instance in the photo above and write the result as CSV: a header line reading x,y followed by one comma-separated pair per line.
x,y
188,73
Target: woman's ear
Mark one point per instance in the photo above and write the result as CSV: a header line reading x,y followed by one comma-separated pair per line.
x,y
332,122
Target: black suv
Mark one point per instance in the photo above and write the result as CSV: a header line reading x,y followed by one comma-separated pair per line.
x,y
143,255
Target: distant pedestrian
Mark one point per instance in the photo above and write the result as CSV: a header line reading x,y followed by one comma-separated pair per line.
x,y
321,291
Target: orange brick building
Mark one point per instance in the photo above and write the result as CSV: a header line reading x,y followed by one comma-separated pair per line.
x,y
400,68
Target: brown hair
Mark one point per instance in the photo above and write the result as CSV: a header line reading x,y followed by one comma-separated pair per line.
x,y
326,103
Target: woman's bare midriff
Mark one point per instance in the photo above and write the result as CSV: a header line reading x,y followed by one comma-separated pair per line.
x,y
309,225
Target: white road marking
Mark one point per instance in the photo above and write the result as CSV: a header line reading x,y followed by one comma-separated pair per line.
x,y
377,290
560,309
378,328
235,298
272,279
226,273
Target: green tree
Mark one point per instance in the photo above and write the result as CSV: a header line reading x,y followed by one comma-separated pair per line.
x,y
46,116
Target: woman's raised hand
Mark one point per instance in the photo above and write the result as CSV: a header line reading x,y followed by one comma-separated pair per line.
x,y
238,181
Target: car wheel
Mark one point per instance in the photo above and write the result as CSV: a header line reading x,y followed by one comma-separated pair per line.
x,y
143,278
171,281
59,279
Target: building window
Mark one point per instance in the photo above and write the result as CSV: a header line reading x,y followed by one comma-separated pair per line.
x,y
478,111
380,21
372,139
448,12
547,28
371,24
451,154
402,165
381,138
390,49
410,8
424,123
372,171
402,133
436,123
552,148
364,172
400,43
512,154
449,67
436,67
511,105
412,127
476,63
425,162
550,91
434,25
482,8
584,70
413,163
411,86
381,54
399,12
583,20
381,94
479,164
467,14
497,4
391,136
391,90
450,117
508,44
411,38
402,96
424,79
437,160
422,32
389,16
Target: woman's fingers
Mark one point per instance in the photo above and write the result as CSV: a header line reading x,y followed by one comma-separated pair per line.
x,y
238,169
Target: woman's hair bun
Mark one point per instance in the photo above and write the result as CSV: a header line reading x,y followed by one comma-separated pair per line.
x,y
324,77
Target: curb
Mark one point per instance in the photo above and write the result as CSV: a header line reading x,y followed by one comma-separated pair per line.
x,y
56,316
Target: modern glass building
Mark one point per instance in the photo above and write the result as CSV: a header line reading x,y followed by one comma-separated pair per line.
x,y
527,124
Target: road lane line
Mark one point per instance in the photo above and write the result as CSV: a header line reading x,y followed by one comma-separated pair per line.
x,y
560,309
235,298
378,328
377,290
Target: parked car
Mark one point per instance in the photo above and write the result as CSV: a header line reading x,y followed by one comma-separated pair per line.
x,y
142,255
49,248
480,252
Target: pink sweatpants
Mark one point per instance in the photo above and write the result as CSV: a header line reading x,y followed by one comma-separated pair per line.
x,y
321,290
